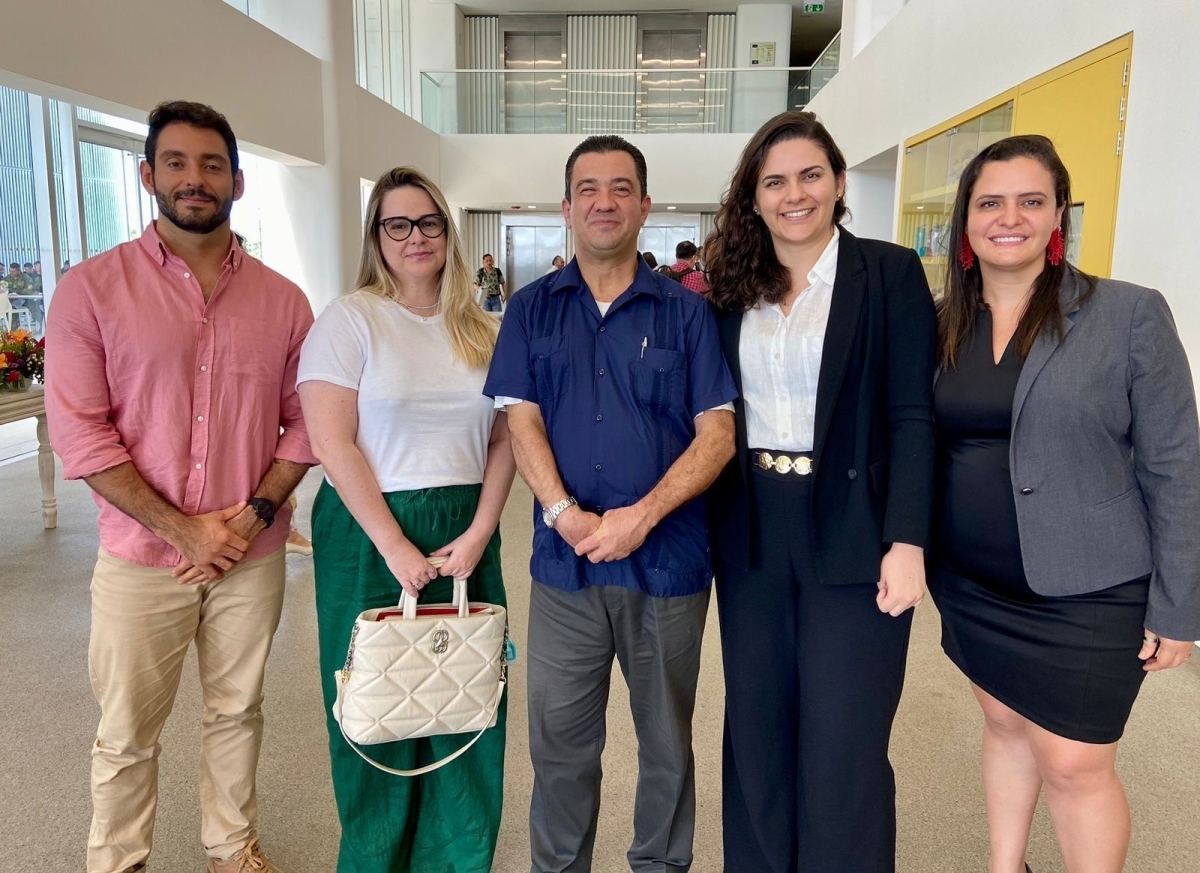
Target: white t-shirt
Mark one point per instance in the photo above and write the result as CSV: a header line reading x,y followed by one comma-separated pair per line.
x,y
423,421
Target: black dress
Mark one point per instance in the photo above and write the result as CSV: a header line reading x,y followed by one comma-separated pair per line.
x,y
1068,664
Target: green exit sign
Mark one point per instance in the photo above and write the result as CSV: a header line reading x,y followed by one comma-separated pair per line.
x,y
814,7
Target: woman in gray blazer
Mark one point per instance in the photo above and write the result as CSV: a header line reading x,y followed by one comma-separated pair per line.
x,y
1066,561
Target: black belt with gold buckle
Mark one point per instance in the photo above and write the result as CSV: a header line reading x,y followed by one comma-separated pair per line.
x,y
801,465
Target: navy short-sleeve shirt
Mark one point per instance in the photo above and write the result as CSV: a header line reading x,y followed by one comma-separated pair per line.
x,y
618,394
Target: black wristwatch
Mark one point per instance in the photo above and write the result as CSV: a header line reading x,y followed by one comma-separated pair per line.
x,y
263,508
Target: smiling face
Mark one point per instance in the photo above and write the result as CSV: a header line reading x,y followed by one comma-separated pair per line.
x,y
417,259
1011,215
192,178
607,206
796,193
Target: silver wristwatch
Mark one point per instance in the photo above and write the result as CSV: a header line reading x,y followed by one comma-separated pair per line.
x,y
550,515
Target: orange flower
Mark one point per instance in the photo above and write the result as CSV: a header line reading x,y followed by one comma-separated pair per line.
x,y
21,335
3,361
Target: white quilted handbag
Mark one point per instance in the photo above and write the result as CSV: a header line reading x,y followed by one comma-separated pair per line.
x,y
420,671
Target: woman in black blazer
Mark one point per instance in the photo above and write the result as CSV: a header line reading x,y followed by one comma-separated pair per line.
x,y
820,521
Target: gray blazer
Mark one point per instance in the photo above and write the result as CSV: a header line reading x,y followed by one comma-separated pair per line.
x,y
1105,455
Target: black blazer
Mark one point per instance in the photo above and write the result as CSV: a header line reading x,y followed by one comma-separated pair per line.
x,y
873,452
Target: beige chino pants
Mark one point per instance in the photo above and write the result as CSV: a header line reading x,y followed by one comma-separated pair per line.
x,y
143,622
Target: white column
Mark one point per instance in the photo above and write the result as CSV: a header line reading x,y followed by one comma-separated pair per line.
x,y
315,233
759,96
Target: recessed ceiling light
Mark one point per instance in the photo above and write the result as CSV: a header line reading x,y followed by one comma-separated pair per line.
x,y
670,207
920,207
531,207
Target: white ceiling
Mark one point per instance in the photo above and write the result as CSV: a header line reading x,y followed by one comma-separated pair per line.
x,y
810,33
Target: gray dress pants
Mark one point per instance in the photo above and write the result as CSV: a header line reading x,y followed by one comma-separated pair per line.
x,y
573,637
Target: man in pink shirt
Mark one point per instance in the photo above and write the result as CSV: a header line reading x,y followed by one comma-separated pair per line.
x,y
170,372
686,269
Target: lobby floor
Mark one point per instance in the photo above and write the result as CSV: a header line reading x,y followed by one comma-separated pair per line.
x,y
50,719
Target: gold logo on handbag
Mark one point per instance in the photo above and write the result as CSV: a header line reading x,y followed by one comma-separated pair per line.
x,y
441,642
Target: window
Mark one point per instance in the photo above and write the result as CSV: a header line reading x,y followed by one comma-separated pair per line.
x,y
380,47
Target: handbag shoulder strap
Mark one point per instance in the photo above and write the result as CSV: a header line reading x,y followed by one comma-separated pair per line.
x,y
428,768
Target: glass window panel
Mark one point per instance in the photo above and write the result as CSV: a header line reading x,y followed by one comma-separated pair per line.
x,y
397,57
19,239
246,220
932,170
372,48
91,116
115,209
995,125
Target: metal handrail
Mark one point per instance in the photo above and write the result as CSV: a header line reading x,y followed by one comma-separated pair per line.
x,y
836,37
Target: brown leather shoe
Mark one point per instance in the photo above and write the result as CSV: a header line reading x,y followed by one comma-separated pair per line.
x,y
249,860
298,544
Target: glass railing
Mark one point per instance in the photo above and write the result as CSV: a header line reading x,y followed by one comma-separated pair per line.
x,y
805,83
558,100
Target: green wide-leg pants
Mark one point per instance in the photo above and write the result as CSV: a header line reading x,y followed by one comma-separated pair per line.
x,y
446,821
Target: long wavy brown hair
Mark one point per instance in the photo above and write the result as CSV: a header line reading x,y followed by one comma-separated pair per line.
x,y
741,266
963,298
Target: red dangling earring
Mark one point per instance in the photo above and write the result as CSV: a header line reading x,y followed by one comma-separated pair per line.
x,y
1055,248
966,254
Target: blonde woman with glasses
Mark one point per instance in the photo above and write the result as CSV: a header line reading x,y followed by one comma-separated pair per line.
x,y
417,463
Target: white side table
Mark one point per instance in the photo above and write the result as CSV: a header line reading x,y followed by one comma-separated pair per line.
x,y
17,406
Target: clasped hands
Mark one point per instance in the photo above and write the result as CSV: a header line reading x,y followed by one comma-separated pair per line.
x,y
611,537
212,544
457,559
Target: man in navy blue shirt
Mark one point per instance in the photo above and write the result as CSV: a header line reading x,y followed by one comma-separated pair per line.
x,y
618,402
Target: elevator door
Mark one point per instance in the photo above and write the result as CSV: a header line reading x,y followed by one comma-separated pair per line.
x,y
671,81
531,251
534,87
662,241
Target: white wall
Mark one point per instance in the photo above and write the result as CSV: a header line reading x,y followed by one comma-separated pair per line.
x,y
871,196
137,53
937,58
759,96
862,20
433,45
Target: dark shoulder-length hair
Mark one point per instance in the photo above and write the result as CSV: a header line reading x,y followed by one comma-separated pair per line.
x,y
740,261
963,297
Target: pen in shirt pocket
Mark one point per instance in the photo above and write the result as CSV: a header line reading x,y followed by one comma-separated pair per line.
x,y
645,342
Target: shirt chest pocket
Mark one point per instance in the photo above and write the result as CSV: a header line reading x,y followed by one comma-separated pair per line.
x,y
550,362
251,351
660,379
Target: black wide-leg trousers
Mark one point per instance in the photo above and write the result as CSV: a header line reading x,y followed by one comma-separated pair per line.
x,y
813,675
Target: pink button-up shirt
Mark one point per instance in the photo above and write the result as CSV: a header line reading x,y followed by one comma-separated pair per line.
x,y
139,368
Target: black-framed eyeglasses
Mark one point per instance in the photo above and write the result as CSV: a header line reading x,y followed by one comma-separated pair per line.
x,y
400,228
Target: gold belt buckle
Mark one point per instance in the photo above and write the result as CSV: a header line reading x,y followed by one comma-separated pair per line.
x,y
783,465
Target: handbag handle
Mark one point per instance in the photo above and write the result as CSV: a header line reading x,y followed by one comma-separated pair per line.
x,y
436,765
408,603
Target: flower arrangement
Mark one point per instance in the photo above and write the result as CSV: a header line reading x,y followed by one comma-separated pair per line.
x,y
22,359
